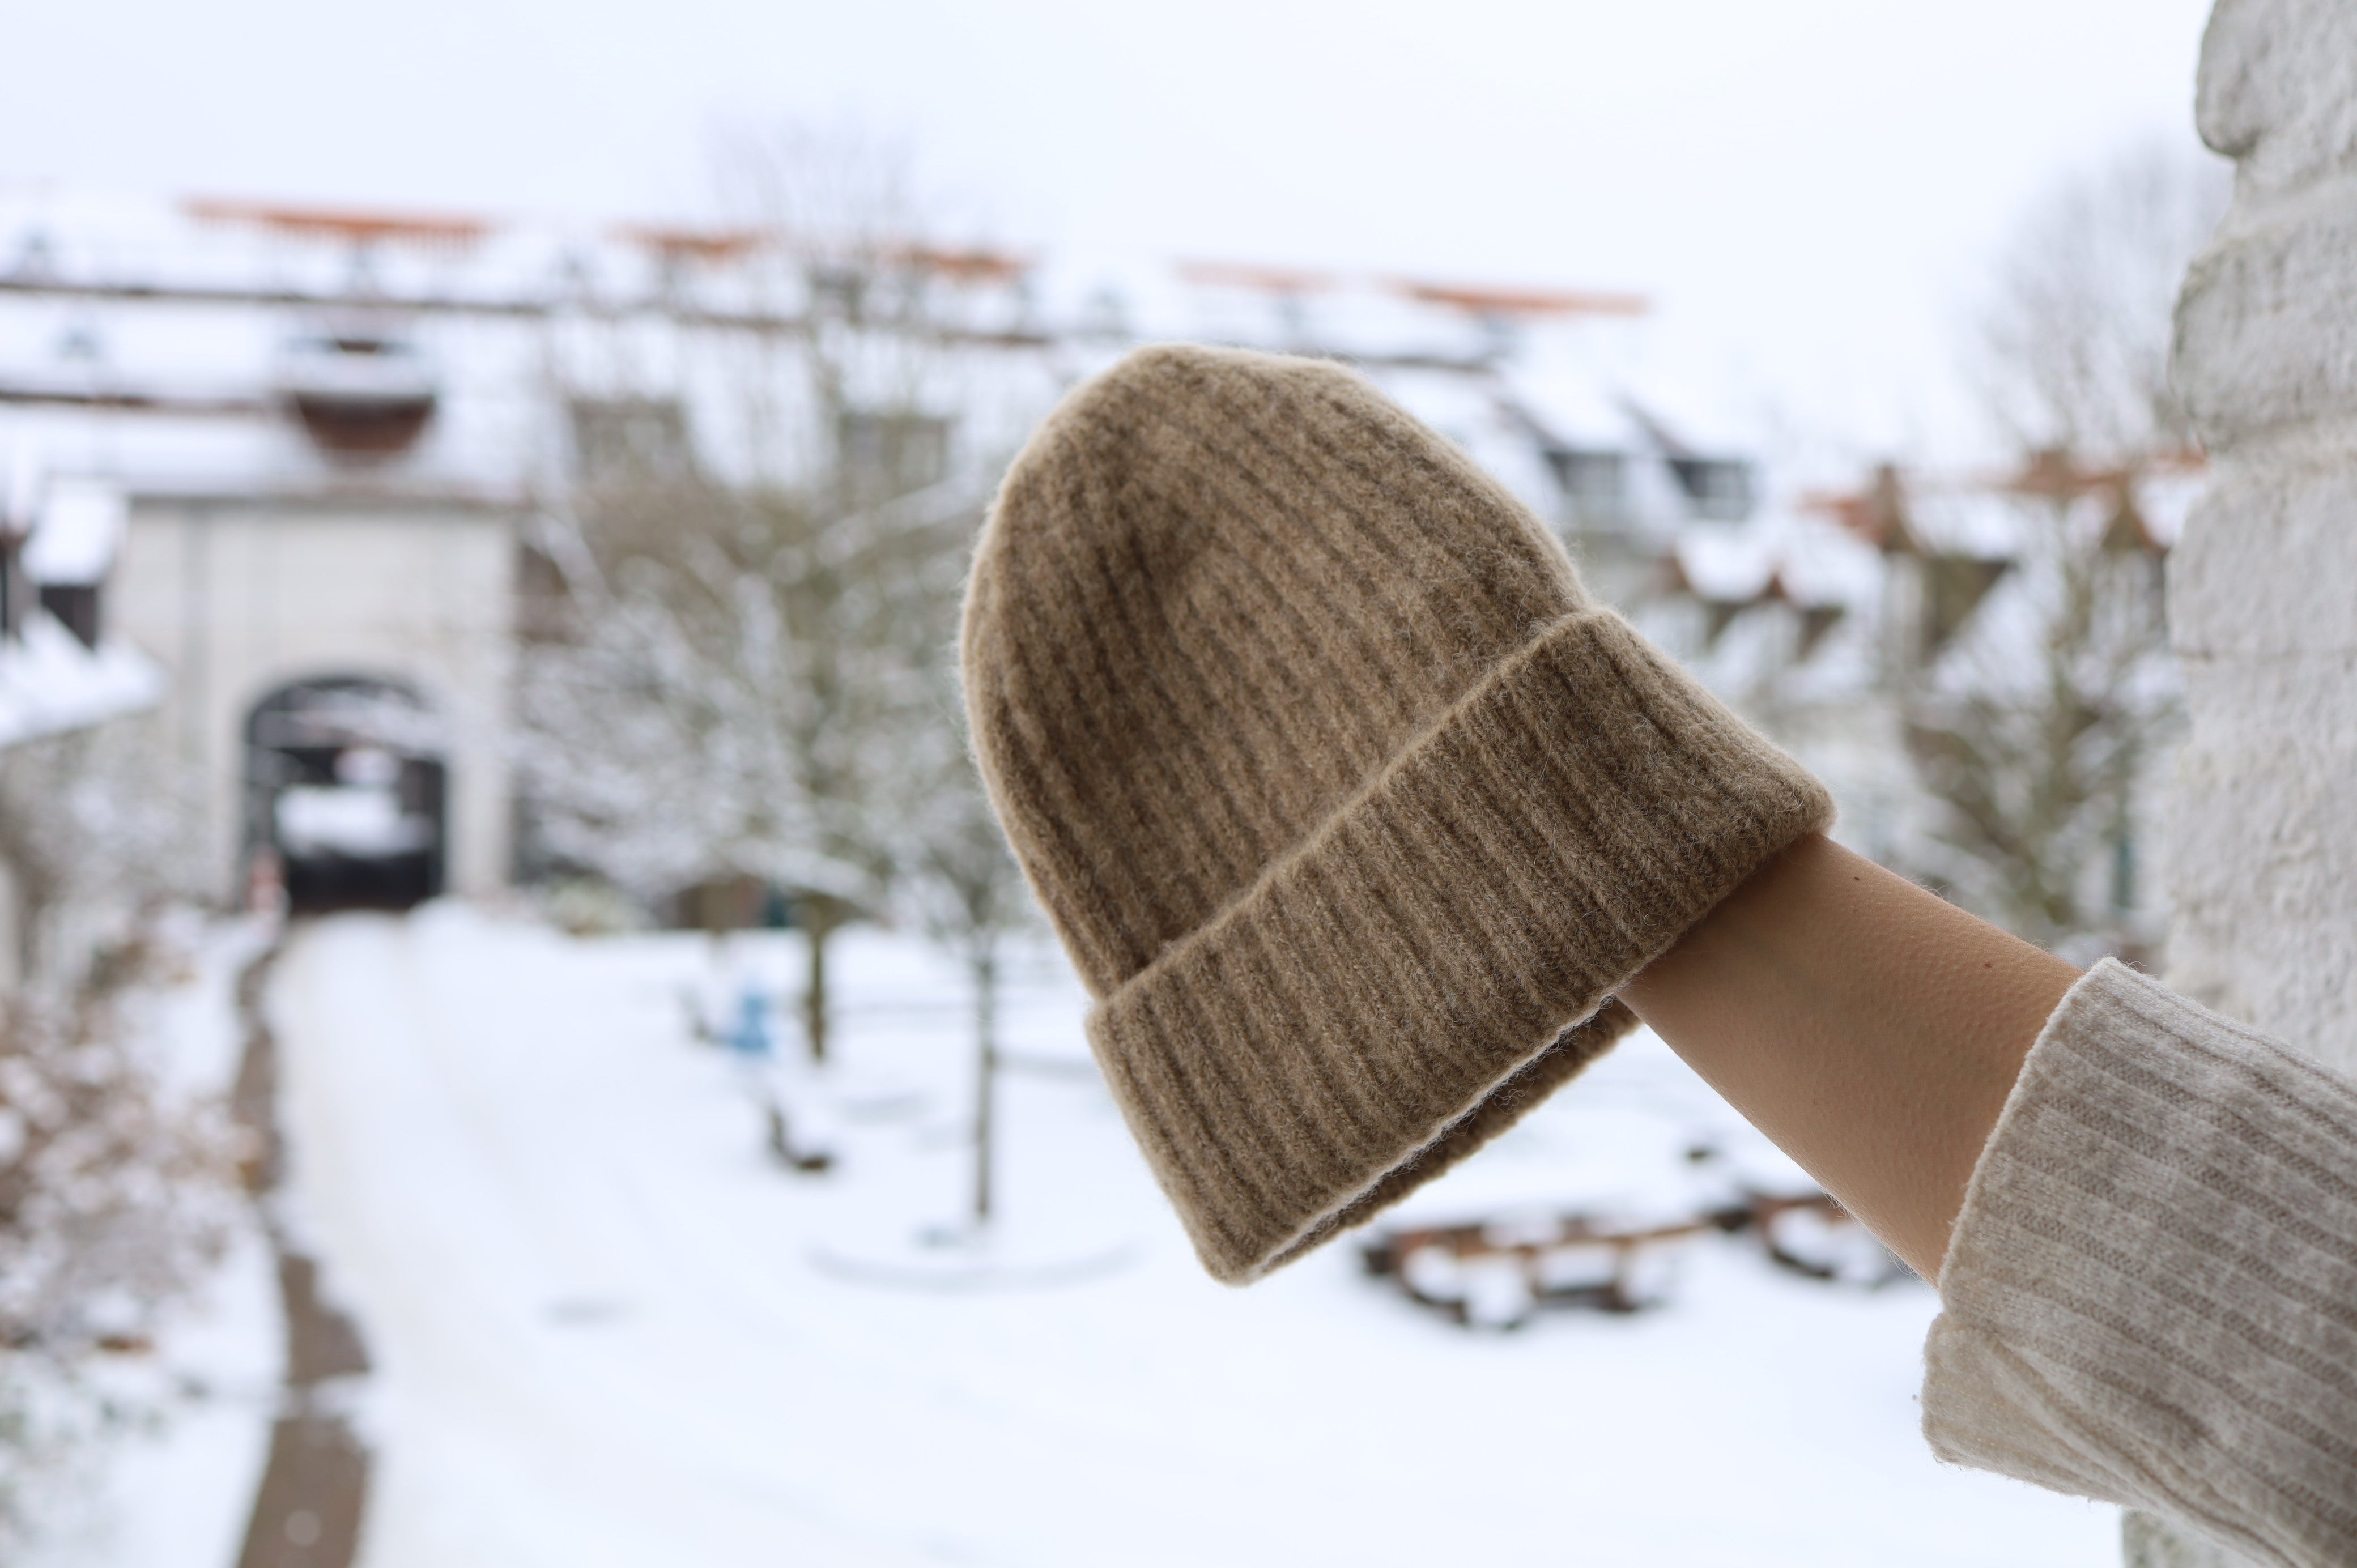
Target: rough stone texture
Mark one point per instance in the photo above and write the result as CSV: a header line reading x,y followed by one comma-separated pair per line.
x,y
2263,589
2249,316
2265,338
2277,91
2272,503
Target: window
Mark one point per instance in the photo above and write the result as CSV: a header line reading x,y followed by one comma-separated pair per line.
x,y
75,605
1719,487
1954,586
1595,484
361,396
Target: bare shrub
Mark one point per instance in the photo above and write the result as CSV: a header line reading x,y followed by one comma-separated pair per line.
x,y
115,1198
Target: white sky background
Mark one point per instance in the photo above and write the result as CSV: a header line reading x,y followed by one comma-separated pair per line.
x,y
1807,188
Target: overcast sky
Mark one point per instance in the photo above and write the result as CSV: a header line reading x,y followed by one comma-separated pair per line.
x,y
1807,188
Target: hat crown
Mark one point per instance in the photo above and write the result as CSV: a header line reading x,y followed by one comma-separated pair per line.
x,y
1219,592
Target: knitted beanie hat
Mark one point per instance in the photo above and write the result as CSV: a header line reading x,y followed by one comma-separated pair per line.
x,y
1350,805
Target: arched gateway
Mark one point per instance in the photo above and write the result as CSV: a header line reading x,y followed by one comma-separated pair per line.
x,y
346,794
338,663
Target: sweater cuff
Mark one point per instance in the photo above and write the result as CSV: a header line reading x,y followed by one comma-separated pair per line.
x,y
2151,1296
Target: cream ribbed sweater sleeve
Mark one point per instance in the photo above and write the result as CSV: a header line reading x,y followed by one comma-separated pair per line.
x,y
2151,1295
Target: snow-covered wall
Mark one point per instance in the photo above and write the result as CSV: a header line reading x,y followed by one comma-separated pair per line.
x,y
2262,586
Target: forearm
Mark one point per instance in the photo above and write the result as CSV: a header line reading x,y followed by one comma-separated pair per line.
x,y
1869,1028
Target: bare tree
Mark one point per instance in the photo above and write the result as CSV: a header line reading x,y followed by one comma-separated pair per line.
x,y
91,837
2038,729
878,297
738,682
2036,733
615,716
970,898
2072,346
737,698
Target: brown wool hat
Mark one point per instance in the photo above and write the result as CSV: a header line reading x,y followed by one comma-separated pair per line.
x,y
1352,807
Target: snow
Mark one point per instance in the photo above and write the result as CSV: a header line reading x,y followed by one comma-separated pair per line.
x,y
178,1497
602,1337
350,820
80,528
51,683
1730,564
1980,520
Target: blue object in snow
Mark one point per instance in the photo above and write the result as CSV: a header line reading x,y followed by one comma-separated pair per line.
x,y
750,1037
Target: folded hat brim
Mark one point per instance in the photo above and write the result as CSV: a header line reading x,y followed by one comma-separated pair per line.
x,y
1443,951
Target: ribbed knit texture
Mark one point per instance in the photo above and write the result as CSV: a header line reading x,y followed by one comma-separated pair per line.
x,y
2152,1294
1352,809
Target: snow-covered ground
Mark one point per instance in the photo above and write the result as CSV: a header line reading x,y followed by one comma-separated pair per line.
x,y
176,1495
605,1333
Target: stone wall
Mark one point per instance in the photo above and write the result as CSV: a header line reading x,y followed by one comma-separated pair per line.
x,y
2263,587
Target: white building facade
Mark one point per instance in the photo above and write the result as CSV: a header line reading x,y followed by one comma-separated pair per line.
x,y
343,443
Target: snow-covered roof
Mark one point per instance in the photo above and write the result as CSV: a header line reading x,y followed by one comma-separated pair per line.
x,y
51,683
506,337
223,325
1730,566
1981,520
75,534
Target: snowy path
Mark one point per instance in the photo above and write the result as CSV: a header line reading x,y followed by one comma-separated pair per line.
x,y
600,1340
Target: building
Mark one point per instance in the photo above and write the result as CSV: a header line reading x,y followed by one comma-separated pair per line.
x,y
338,447
327,436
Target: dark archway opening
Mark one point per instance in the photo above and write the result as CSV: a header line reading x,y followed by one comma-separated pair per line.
x,y
346,794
